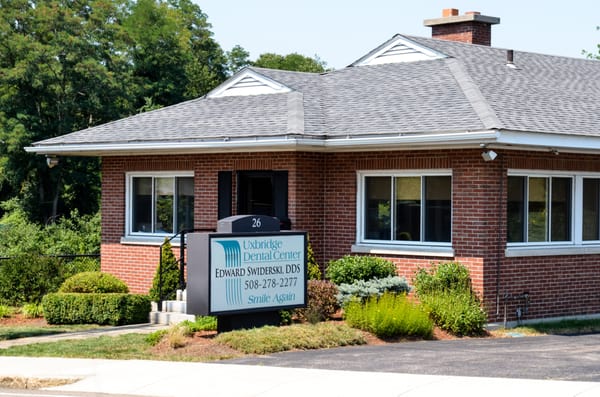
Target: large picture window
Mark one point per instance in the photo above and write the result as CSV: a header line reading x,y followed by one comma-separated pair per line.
x,y
160,204
405,209
539,209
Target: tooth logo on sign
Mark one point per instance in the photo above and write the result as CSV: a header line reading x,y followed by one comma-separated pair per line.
x,y
233,259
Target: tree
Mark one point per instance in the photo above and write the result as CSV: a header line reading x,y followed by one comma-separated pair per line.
x,y
237,59
61,69
173,53
68,65
592,55
294,61
166,278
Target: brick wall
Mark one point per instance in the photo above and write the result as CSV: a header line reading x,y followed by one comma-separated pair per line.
x,y
322,201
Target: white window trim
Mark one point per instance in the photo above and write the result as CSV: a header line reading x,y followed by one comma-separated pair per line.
x,y
396,247
139,237
577,246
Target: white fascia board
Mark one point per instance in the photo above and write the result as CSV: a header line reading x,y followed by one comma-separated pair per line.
x,y
279,143
519,140
513,140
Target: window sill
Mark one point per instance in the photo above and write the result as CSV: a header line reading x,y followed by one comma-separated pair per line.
x,y
406,250
512,252
148,240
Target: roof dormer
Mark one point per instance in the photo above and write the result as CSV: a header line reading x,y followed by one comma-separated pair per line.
x,y
396,50
248,82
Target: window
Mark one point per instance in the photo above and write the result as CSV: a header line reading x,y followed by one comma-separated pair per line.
x,y
591,209
553,214
405,209
539,209
160,204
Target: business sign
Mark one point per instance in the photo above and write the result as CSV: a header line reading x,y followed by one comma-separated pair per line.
x,y
257,272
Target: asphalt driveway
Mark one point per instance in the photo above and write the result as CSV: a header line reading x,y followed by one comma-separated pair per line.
x,y
573,358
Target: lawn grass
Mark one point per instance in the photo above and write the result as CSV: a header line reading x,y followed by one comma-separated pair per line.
x,y
122,347
140,346
564,327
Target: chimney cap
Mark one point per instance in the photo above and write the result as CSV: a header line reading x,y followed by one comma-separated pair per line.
x,y
471,16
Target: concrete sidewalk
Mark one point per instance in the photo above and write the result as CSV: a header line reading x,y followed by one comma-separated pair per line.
x,y
163,378
90,333
158,378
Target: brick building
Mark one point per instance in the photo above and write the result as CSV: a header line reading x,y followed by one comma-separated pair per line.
x,y
424,150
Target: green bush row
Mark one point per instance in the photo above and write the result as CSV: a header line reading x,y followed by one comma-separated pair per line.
x,y
351,268
389,315
446,292
26,278
103,309
362,290
457,312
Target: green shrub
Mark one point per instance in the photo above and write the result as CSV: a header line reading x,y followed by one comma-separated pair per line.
x,y
362,290
202,323
32,310
390,315
313,270
446,291
5,311
80,265
448,276
457,312
169,277
103,309
94,283
351,268
321,301
73,234
27,278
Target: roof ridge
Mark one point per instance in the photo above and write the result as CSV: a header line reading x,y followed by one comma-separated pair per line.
x,y
470,89
295,113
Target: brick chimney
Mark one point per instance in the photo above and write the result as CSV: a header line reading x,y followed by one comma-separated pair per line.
x,y
472,27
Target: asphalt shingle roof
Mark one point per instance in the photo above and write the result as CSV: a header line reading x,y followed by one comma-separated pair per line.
x,y
470,90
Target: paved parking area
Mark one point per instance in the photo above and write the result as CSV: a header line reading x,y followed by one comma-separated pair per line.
x,y
573,358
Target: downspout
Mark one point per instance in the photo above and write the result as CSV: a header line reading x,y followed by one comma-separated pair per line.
x,y
499,237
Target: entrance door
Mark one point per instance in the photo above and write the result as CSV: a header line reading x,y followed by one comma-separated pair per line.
x,y
263,193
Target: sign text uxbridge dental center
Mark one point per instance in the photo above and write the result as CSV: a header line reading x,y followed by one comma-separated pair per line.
x,y
270,270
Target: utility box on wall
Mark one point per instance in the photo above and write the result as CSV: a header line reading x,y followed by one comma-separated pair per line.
x,y
246,272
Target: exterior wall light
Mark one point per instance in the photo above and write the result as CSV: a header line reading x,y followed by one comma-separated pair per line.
x,y
52,161
489,155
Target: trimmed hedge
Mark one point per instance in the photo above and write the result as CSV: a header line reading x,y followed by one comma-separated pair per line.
x,y
94,283
103,309
351,268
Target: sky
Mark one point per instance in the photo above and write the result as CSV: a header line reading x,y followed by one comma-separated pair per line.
x,y
339,32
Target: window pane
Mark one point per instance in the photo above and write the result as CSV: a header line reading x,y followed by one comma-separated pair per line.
x,y
164,194
141,203
408,209
591,198
515,209
537,224
185,203
438,208
561,209
378,192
